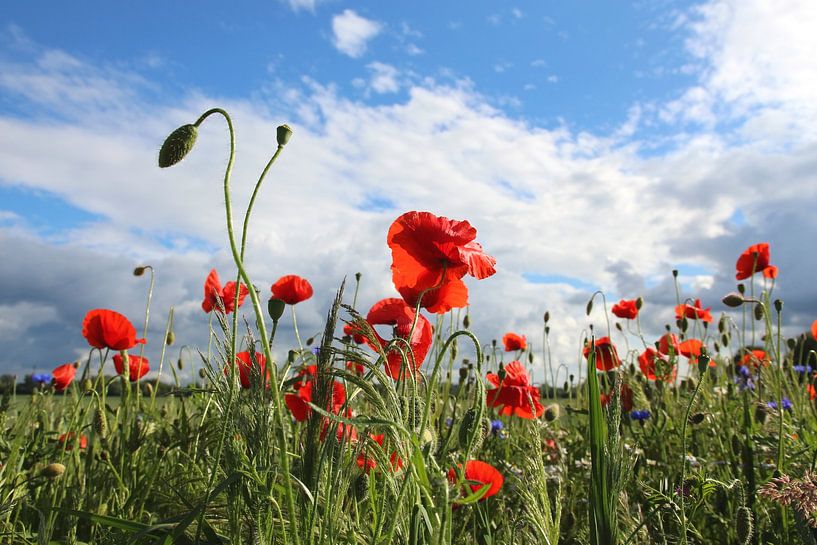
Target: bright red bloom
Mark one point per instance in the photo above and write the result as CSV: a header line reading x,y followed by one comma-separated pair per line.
x,y
104,328
137,366
213,292
770,272
626,309
68,440
397,313
669,341
812,393
692,349
425,246
244,363
693,312
756,358
366,462
605,354
482,474
63,376
649,366
292,289
355,333
298,403
754,260
626,398
814,329
513,342
514,394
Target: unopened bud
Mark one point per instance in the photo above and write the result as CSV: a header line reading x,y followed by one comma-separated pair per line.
x,y
530,358
732,299
275,307
675,273
466,322
177,145
547,316
741,288
759,311
639,303
52,471
202,373
697,418
284,134
589,308
309,341
87,385
170,338
180,364
552,412
139,271
778,305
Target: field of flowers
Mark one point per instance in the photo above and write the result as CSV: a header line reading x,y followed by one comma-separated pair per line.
x,y
704,435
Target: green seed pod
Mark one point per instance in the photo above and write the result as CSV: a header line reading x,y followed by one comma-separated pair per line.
x,y
547,316
639,302
52,471
463,373
139,271
284,133
725,340
744,525
100,422
87,385
565,386
177,145
310,341
530,358
202,373
275,307
361,486
468,427
589,308
741,288
675,273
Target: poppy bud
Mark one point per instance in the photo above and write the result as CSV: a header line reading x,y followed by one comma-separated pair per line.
x,y
725,340
202,373
177,145
463,373
572,378
675,273
547,329
667,327
741,288
468,427
309,341
618,326
703,363
149,388
466,322
791,343
100,422
284,133
639,302
291,357
552,412
180,364
493,343
547,316
358,276
778,305
530,358
275,307
565,386
52,471
682,324
139,271
716,346
744,525
76,364
759,311
170,338
589,308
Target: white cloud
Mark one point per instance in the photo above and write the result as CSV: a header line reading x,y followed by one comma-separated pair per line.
x,y
384,78
353,32
297,5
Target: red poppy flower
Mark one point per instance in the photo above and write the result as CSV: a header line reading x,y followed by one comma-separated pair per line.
x,y
812,393
693,312
213,292
350,331
626,398
137,366
367,462
481,474
244,363
63,376
669,341
814,329
104,328
343,432
395,312
513,342
292,289
425,246
68,440
756,358
755,259
298,403
514,394
656,370
605,354
626,309
770,272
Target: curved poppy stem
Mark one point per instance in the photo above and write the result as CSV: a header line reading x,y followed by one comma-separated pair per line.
x,y
276,394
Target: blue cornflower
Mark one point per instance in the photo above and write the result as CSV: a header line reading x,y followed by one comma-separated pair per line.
x,y
449,421
802,369
786,404
744,378
316,351
496,426
41,378
640,415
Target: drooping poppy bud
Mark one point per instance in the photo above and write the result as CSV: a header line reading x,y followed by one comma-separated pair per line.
x,y
177,145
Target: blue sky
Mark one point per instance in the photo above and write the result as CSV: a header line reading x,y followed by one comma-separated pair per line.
x,y
594,145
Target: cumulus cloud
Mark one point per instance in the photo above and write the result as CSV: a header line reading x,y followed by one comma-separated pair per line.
x,y
384,78
352,33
